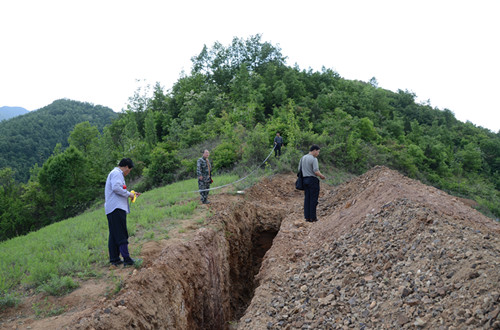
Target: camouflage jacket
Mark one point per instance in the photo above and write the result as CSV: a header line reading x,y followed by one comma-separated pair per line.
x,y
203,168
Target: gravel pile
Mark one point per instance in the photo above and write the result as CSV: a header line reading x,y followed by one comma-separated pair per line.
x,y
403,267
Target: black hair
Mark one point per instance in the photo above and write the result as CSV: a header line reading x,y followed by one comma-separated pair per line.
x,y
126,162
314,147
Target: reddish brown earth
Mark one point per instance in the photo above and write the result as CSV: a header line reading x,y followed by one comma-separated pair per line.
x,y
387,252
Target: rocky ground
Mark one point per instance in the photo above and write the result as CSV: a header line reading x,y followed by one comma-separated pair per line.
x,y
387,252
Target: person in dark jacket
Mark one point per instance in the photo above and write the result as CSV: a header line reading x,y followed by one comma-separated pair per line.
x,y
204,173
278,142
310,171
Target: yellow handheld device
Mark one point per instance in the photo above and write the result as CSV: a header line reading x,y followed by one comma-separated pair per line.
x,y
135,196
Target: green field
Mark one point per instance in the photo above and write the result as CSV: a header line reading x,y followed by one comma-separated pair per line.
x,y
54,258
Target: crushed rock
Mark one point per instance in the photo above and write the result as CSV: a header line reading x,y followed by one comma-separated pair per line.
x,y
389,252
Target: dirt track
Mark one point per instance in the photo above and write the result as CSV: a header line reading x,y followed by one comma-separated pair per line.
x,y
387,252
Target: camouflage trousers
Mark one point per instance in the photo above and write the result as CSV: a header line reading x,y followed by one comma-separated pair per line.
x,y
202,184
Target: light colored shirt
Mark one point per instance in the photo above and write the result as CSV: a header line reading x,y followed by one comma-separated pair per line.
x,y
114,192
309,165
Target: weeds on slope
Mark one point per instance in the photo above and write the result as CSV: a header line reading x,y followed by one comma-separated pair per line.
x,y
52,258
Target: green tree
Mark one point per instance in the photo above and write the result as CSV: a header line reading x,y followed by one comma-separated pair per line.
x,y
150,129
367,130
470,158
66,179
225,155
82,136
164,163
10,205
220,64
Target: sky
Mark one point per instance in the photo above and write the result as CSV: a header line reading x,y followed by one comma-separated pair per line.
x,y
445,52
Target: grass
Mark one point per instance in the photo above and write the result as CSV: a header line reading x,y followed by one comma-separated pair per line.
x,y
117,285
54,258
58,286
46,309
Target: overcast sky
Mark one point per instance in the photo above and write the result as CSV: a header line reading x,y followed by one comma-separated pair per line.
x,y
95,51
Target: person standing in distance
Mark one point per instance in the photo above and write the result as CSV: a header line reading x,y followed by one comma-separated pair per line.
x,y
310,171
204,173
278,142
117,207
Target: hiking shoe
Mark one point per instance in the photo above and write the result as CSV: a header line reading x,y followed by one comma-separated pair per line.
x,y
132,262
116,263
206,202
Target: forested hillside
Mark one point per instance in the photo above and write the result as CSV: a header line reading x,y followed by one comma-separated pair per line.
x,y
10,112
233,102
31,138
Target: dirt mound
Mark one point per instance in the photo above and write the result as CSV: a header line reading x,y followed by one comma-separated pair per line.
x,y
387,252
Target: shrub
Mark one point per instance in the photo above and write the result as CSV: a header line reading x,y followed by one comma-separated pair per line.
x,y
224,155
163,166
8,300
58,286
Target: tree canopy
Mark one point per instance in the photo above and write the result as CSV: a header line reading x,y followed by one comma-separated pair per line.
x,y
233,102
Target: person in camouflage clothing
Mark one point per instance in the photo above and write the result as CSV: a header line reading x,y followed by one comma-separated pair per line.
x,y
203,170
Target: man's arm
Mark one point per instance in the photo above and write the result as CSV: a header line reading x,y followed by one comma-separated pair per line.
x,y
316,169
318,173
198,169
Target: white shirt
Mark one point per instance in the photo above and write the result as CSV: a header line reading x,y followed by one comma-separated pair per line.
x,y
114,192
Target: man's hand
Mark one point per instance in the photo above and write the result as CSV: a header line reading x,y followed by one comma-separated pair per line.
x,y
200,177
318,173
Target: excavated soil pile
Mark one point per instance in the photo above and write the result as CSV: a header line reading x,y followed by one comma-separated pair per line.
x,y
387,252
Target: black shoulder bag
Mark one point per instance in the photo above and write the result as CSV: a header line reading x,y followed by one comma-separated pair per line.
x,y
299,184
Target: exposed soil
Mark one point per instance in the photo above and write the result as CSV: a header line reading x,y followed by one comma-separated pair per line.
x,y
387,252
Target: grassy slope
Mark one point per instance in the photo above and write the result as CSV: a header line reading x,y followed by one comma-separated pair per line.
x,y
77,247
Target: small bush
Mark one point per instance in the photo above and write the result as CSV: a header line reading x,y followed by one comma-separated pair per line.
x,y
8,300
58,286
224,155
164,163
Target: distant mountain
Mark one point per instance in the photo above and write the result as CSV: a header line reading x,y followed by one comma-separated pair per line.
x,y
10,112
31,138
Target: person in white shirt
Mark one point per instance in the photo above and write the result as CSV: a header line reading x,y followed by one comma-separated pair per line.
x,y
116,207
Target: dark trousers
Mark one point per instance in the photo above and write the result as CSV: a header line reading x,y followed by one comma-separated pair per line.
x,y
118,234
277,150
311,195
202,185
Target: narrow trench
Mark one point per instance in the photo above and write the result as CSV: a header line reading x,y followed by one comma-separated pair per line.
x,y
249,233
204,283
253,232
261,243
